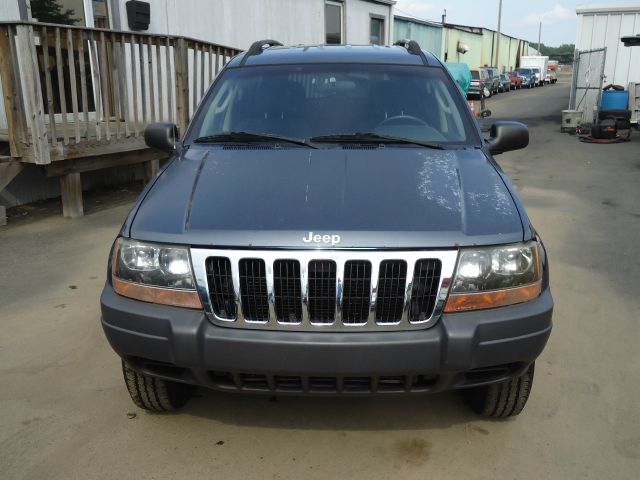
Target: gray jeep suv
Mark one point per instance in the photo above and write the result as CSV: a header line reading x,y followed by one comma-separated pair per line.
x,y
332,222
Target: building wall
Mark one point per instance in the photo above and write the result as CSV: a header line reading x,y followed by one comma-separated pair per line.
x,y
237,23
511,49
429,36
603,27
444,40
358,15
9,10
452,37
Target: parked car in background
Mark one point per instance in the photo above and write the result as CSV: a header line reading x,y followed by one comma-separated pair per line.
x,y
539,77
551,76
528,77
494,75
479,82
505,83
536,62
516,80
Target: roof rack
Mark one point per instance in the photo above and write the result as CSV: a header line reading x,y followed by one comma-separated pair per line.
x,y
413,48
257,47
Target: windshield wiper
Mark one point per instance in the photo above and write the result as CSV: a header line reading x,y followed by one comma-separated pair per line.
x,y
371,137
248,137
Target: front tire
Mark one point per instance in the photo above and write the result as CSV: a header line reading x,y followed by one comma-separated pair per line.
x,y
504,399
155,394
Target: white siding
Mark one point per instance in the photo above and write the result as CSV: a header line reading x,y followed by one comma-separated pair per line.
x,y
358,21
9,10
237,23
599,28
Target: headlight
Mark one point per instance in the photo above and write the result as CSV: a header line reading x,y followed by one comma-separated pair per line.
x,y
154,273
496,277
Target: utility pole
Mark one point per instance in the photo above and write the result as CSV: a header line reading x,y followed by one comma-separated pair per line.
x,y
498,45
539,36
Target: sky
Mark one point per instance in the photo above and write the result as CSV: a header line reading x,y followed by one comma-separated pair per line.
x,y
520,18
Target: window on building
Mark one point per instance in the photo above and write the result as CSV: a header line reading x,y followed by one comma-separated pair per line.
x,y
377,31
100,13
66,12
333,23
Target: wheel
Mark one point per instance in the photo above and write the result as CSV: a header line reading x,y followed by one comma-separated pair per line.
x,y
155,394
504,399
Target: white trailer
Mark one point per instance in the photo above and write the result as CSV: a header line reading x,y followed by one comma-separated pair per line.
x,y
602,26
540,62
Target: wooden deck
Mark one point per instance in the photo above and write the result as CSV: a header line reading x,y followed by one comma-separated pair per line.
x,y
79,98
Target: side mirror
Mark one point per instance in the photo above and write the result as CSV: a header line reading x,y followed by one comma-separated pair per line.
x,y
507,136
162,136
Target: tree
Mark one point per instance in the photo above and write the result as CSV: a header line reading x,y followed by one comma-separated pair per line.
x,y
563,53
50,11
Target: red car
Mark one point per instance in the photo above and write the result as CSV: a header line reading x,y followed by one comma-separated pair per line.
x,y
516,80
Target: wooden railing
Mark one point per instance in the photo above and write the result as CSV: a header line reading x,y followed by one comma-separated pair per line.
x,y
71,92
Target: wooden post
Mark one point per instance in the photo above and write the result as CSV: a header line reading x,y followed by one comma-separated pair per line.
x,y
150,169
160,94
73,85
61,93
12,91
170,115
152,96
194,87
48,85
181,57
83,84
71,191
97,86
33,95
134,86
104,82
124,85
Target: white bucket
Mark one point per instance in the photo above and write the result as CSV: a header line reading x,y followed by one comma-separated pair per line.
x,y
571,119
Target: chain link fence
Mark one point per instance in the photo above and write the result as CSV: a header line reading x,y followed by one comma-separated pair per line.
x,y
587,82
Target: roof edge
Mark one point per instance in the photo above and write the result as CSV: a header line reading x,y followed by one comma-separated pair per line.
x,y
601,8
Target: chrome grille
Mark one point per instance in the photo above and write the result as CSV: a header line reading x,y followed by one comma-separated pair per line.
x,y
221,287
356,295
391,283
288,291
323,290
423,296
253,290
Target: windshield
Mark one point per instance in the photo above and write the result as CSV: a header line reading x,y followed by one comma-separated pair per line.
x,y
475,74
307,101
525,71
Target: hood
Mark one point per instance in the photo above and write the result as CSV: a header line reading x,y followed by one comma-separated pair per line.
x,y
391,197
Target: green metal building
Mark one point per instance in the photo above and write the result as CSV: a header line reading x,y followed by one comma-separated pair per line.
x,y
475,46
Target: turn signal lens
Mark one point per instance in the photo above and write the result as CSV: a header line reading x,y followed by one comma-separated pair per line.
x,y
460,302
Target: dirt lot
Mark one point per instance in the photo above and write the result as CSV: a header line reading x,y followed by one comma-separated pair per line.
x,y
65,413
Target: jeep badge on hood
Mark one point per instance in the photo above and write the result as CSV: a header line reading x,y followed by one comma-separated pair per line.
x,y
317,238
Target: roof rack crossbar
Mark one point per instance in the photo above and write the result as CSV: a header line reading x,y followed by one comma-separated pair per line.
x,y
257,47
413,48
